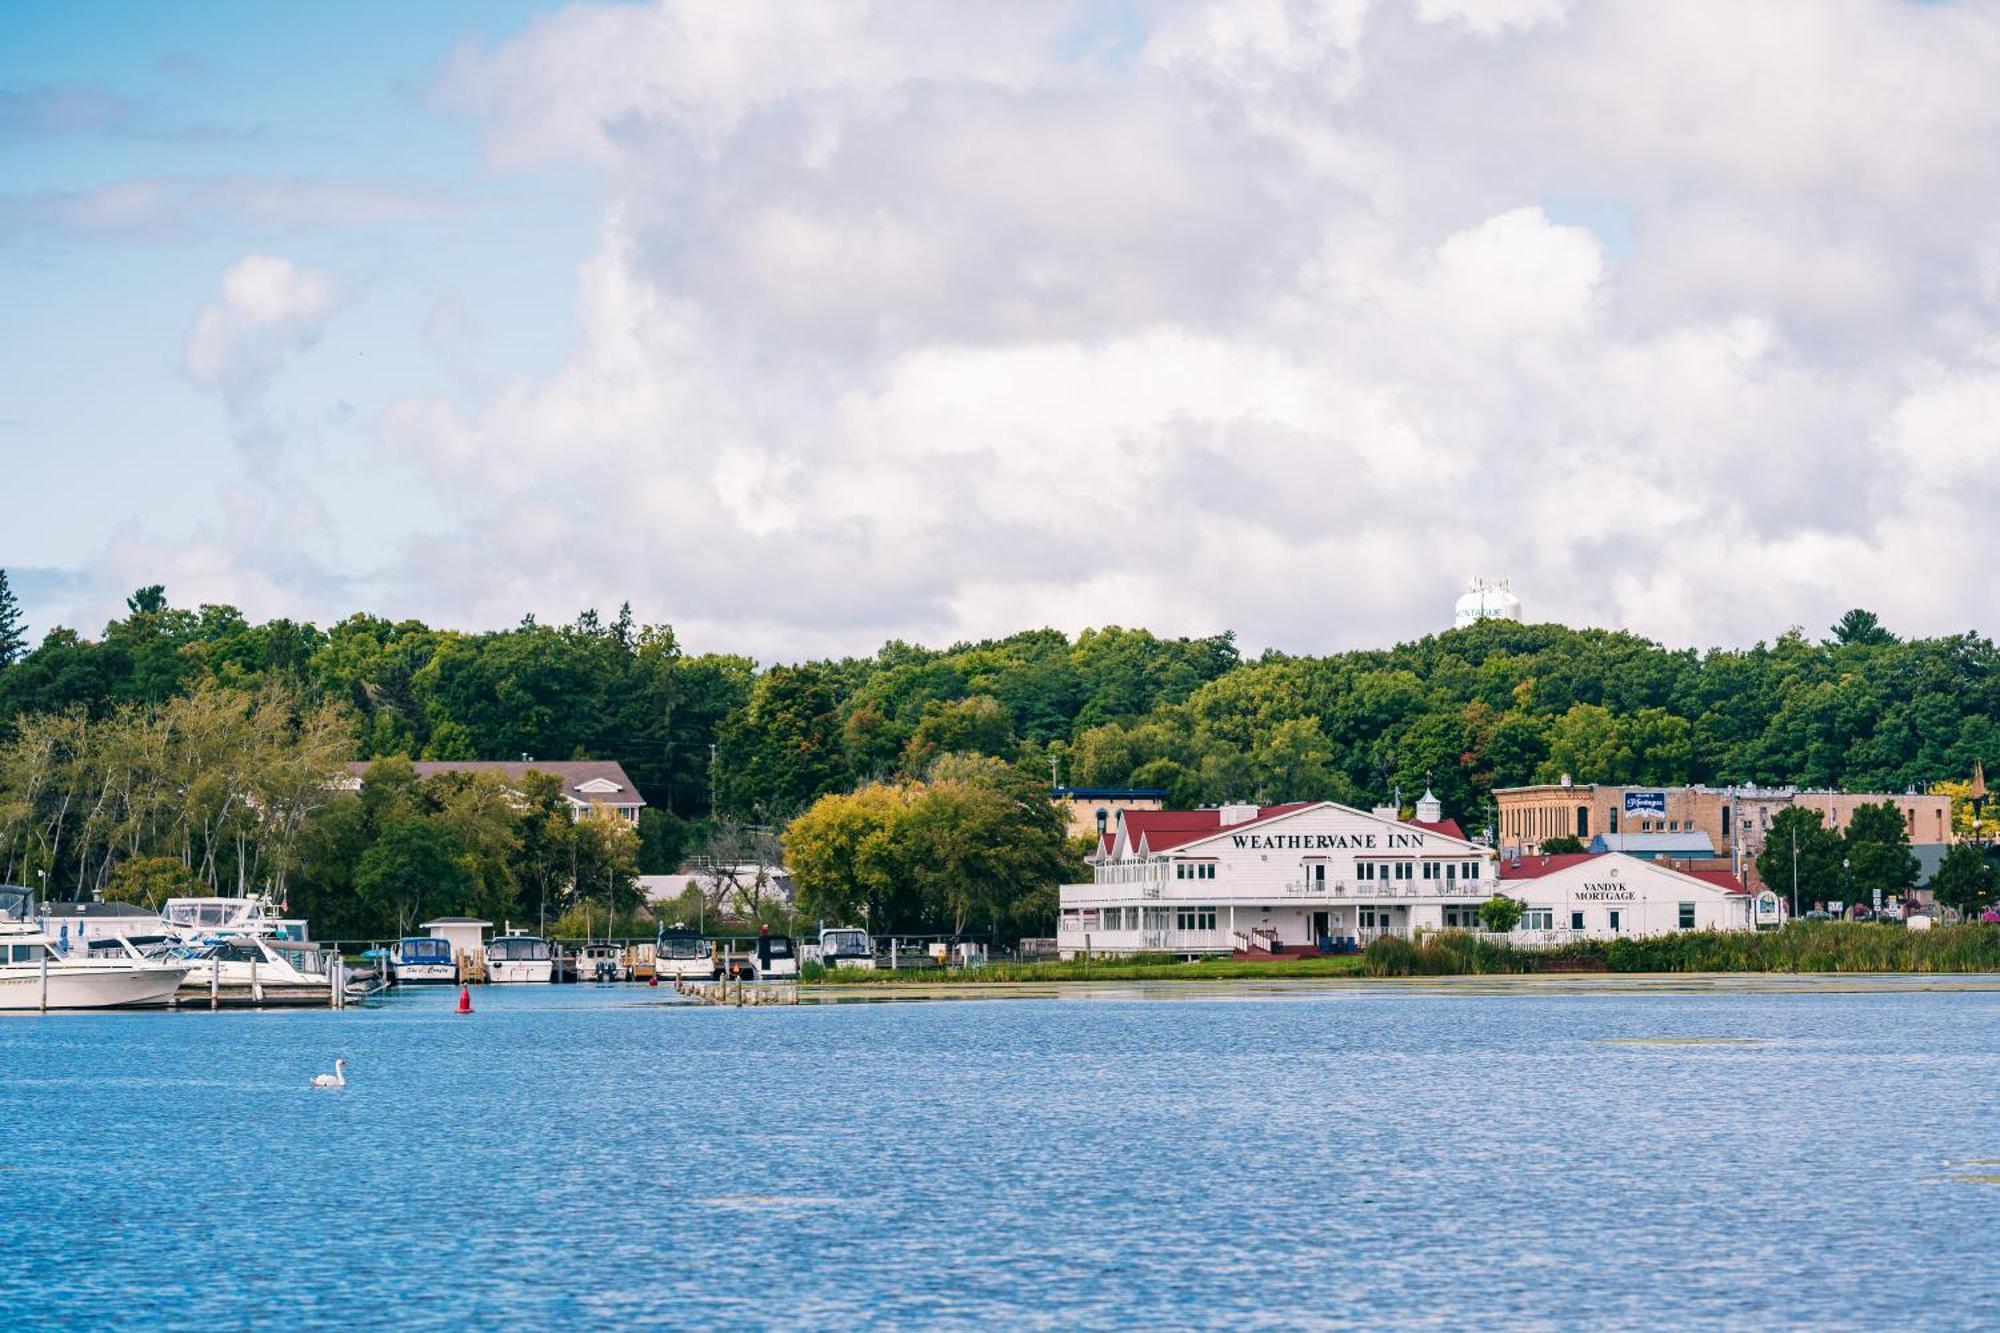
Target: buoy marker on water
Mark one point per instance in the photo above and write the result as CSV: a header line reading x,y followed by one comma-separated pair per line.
x,y
465,999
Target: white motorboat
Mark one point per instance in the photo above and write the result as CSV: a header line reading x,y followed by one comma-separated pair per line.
x,y
845,946
515,957
259,969
423,960
34,976
601,962
683,955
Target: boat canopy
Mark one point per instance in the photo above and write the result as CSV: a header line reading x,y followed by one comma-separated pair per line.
x,y
682,944
423,949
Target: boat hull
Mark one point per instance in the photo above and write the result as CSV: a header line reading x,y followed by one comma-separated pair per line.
x,y
74,987
512,972
426,974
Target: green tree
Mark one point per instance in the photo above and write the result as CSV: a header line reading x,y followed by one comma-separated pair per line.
x,y
1565,845
13,629
414,869
1877,847
1500,913
1964,878
1861,627
783,751
1819,853
150,880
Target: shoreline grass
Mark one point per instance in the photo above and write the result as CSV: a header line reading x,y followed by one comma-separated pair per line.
x,y
1801,947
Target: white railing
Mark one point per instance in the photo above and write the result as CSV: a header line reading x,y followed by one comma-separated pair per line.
x,y
1380,888
1150,940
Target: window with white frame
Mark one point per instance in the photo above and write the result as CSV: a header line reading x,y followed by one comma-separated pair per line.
x,y
1364,871
1538,918
1403,870
1194,918
1687,916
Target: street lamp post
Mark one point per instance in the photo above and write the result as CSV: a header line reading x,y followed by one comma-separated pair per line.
x,y
1846,906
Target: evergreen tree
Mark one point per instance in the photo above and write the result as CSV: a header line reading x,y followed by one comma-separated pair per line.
x,y
13,630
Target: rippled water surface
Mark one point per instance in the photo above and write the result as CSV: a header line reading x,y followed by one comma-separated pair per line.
x,y
590,1155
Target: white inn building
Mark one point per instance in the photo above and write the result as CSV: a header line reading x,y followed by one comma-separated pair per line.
x,y
1273,879
1317,876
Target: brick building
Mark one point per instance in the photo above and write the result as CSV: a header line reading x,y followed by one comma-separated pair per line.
x,y
1732,820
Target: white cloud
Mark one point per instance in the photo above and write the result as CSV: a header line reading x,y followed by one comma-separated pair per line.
x,y
1283,316
1491,17
268,309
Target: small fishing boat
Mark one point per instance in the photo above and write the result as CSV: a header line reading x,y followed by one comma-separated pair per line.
x,y
422,960
34,976
601,962
519,957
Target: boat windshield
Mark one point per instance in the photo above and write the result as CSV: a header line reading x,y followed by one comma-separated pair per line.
x,y
781,946
15,903
426,951
518,949
26,953
848,943
682,946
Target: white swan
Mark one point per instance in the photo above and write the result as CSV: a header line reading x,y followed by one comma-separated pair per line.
x,y
337,1079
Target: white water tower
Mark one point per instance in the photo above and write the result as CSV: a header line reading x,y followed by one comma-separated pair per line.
x,y
1486,599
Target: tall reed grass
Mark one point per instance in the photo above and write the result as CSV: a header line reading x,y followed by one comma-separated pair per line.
x,y
1803,946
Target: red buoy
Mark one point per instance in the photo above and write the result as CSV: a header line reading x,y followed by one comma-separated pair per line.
x,y
653,980
465,999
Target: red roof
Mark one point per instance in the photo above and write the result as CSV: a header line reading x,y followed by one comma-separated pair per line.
x,y
1722,879
1161,829
1534,867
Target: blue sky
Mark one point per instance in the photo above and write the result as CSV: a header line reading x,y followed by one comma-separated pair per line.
x,y
807,324
100,426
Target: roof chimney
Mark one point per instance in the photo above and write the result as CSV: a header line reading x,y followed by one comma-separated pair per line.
x,y
1238,814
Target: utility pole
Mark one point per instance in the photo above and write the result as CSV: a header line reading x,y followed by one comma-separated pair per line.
x,y
711,779
1795,872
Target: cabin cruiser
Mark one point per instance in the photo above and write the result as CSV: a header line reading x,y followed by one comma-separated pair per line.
x,y
34,976
681,954
422,960
254,968
519,957
847,947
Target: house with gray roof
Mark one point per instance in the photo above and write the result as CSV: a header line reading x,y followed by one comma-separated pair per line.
x,y
593,786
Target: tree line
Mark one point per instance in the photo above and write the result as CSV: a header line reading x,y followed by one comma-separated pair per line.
x,y
717,743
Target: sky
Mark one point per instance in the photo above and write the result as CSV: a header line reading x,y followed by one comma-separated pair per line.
x,y
809,324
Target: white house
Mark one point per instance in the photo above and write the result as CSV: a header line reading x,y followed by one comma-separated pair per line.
x,y
1272,879
1602,895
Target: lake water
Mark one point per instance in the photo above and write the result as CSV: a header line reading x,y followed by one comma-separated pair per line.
x,y
589,1155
